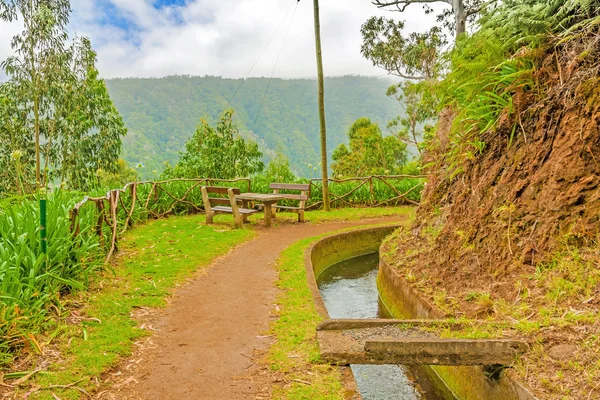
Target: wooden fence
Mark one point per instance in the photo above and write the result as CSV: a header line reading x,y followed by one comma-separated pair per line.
x,y
377,191
119,209
116,210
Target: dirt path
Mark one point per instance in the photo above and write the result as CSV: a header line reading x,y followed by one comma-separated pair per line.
x,y
206,337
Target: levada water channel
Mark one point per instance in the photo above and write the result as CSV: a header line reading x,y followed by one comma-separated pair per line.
x,y
349,290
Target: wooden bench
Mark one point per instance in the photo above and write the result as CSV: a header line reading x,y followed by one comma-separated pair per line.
x,y
304,190
226,204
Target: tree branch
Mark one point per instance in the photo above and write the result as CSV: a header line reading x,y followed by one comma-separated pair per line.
x,y
472,11
402,4
411,77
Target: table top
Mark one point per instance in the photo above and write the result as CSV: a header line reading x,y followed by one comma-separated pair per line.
x,y
259,197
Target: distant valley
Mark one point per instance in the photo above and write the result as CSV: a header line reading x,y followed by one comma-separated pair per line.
x,y
161,114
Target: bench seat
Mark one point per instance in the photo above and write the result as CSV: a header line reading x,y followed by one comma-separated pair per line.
x,y
230,210
288,207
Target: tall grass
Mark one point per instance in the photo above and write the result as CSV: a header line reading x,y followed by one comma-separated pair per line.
x,y
30,281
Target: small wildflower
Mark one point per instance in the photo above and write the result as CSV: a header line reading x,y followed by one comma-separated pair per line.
x,y
16,155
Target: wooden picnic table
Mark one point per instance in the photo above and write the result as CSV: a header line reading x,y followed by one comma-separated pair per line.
x,y
267,199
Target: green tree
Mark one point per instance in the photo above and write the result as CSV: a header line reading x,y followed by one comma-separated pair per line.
x,y
122,176
54,85
414,56
218,153
369,152
420,105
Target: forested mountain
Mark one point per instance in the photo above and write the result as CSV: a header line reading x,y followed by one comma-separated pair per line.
x,y
161,114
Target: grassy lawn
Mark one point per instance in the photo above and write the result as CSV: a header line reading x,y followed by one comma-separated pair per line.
x,y
154,258
296,352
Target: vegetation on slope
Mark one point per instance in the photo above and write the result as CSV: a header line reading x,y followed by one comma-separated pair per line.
x,y
161,114
508,228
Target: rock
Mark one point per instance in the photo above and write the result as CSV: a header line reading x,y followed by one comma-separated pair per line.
x,y
562,352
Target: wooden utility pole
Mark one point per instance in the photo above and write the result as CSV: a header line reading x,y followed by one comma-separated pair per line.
x,y
324,172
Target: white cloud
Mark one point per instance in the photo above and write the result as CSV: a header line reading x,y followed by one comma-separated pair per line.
x,y
224,37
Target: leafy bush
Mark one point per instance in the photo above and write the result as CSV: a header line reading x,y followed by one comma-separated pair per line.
x,y
500,60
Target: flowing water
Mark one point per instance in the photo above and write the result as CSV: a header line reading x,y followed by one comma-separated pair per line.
x,y
349,290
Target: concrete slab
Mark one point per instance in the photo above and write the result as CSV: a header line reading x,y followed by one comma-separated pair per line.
x,y
408,343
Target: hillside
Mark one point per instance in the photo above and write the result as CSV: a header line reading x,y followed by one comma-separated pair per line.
x,y
161,114
508,227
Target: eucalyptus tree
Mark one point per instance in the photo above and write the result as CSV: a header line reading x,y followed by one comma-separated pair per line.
x,y
68,120
414,56
15,144
416,59
454,17
38,55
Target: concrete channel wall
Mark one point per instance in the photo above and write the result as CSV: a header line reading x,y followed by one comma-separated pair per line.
x,y
336,248
466,383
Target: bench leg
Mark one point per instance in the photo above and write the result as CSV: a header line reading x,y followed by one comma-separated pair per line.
x,y
209,218
300,215
273,212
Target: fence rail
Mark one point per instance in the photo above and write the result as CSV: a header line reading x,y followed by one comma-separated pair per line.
x,y
119,209
377,186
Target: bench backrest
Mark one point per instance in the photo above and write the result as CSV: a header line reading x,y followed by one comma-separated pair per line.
x,y
227,195
303,188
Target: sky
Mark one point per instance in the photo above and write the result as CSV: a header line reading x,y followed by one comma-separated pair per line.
x,y
156,38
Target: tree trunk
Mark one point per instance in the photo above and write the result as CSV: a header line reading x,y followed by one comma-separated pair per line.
x,y
460,17
324,172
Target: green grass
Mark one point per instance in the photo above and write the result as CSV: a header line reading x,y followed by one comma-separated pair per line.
x,y
296,351
155,257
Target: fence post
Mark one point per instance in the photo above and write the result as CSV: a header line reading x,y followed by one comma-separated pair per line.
x,y
372,191
100,208
43,233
